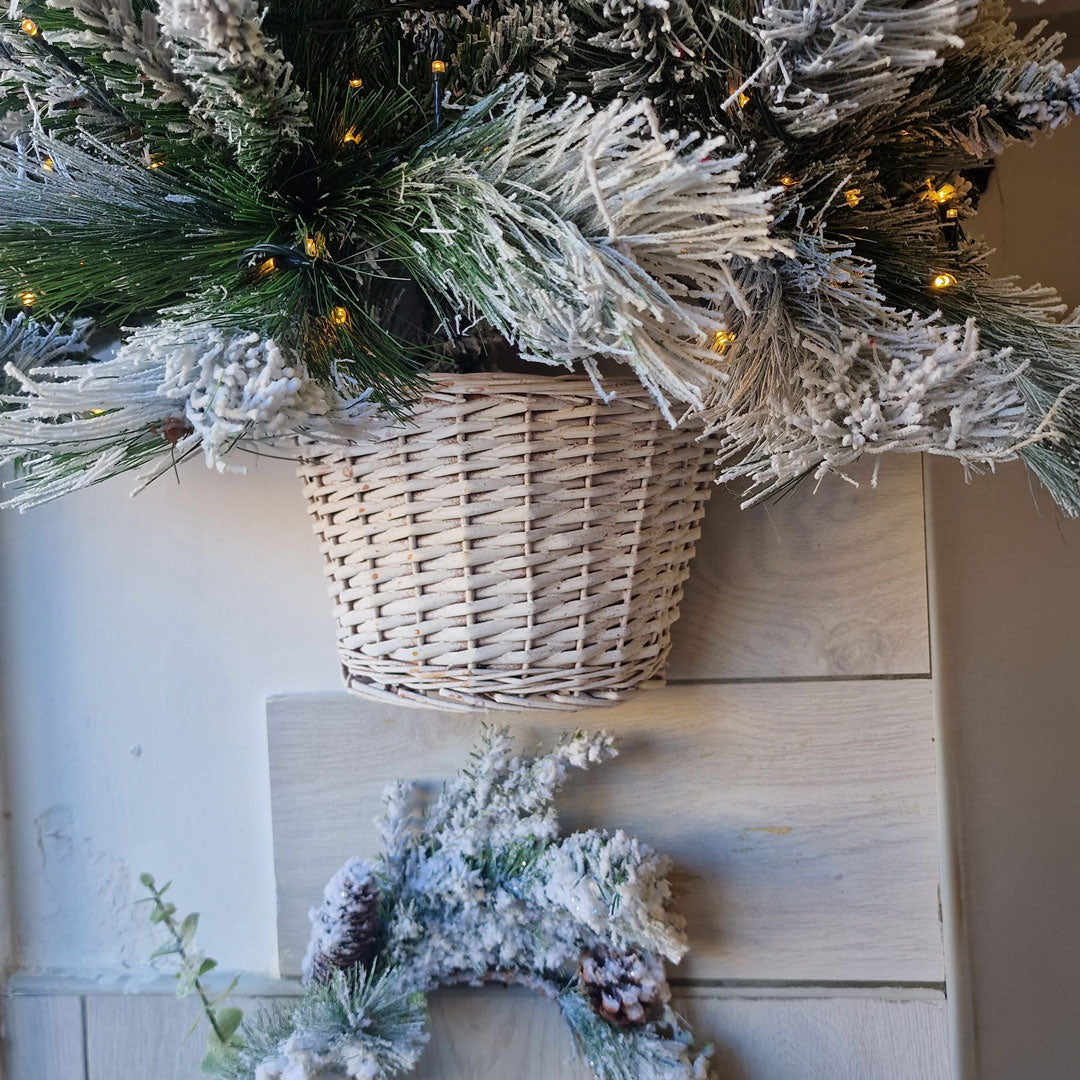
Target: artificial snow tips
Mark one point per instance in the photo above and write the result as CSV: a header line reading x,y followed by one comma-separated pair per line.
x,y
827,60
757,208
170,391
242,86
605,237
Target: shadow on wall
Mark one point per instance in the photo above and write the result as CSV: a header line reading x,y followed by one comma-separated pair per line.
x,y
8,956
140,640
1006,591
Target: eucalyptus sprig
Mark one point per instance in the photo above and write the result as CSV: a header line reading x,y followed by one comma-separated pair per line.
x,y
223,1040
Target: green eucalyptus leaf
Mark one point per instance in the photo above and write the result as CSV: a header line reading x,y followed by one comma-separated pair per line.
x,y
188,928
217,1057
185,979
228,1020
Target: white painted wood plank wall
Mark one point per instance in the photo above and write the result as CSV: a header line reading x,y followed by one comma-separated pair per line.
x,y
490,1034
815,585
791,773
43,1037
802,817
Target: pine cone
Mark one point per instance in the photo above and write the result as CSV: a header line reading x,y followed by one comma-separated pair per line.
x,y
627,989
174,429
343,929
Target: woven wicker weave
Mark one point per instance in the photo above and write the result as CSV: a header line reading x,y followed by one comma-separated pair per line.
x,y
519,544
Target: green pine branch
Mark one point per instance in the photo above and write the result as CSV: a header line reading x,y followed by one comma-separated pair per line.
x,y
1044,350
81,85
135,238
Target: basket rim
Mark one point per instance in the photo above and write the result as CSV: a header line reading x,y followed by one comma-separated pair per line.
x,y
496,383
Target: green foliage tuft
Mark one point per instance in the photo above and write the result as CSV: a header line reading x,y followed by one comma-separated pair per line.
x,y
300,173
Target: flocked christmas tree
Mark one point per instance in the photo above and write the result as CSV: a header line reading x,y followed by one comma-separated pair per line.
x,y
757,207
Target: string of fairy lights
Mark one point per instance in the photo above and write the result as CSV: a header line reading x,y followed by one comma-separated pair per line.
x,y
267,259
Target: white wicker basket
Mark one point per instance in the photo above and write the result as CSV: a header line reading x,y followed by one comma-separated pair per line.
x,y
518,544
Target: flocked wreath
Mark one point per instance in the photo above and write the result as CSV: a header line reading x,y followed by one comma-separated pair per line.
x,y
476,887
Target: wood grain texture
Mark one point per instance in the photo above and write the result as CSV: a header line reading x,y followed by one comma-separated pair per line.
x,y
801,817
490,1034
42,1038
832,583
824,1039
